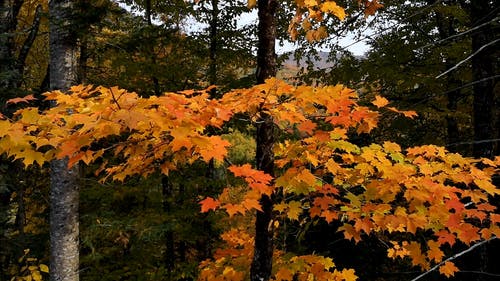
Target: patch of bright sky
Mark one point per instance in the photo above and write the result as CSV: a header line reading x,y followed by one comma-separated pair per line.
x,y
357,48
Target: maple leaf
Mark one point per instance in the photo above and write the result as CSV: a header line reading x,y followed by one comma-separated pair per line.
x,y
350,232
284,274
294,210
215,150
232,209
448,269
345,274
332,8
371,6
407,113
487,186
25,99
434,252
249,204
208,204
380,101
307,126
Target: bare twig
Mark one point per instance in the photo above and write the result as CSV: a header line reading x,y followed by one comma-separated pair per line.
x,y
467,58
454,257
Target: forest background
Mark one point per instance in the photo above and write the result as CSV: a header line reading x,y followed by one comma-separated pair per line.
x,y
437,58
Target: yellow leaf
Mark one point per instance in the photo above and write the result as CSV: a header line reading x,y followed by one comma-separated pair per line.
x,y
36,275
294,210
487,186
251,3
44,268
332,8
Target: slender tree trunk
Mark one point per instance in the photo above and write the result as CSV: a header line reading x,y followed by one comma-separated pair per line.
x,y
64,226
266,67
28,43
212,76
169,255
154,79
484,65
446,29
9,76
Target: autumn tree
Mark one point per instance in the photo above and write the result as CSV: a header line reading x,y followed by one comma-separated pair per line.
x,y
307,166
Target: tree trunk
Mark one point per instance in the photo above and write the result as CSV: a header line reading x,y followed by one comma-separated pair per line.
x,y
266,67
9,10
64,226
484,67
212,76
445,26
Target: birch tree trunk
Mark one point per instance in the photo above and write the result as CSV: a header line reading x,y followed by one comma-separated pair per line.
x,y
64,227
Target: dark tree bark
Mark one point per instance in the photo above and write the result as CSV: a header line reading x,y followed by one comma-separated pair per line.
x,y
484,67
266,67
28,42
445,26
64,225
9,76
214,14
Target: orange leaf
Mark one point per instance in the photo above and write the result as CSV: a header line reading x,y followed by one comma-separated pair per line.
x,y
251,204
307,126
448,269
25,99
208,204
380,101
434,252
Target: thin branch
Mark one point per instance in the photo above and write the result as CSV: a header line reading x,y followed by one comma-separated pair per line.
x,y
454,257
459,34
28,43
473,142
467,58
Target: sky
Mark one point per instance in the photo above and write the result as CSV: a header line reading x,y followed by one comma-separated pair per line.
x,y
357,48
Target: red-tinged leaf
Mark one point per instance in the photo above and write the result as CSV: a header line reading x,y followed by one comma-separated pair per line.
x,y
448,269
25,99
350,232
208,204
444,236
455,204
329,216
409,113
247,171
468,233
380,101
307,126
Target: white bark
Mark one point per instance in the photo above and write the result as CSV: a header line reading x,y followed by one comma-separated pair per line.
x,y
64,226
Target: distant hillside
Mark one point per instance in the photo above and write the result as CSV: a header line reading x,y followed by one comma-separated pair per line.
x,y
320,63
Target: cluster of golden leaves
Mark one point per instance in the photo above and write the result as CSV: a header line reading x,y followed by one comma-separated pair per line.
x,y
310,16
372,189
